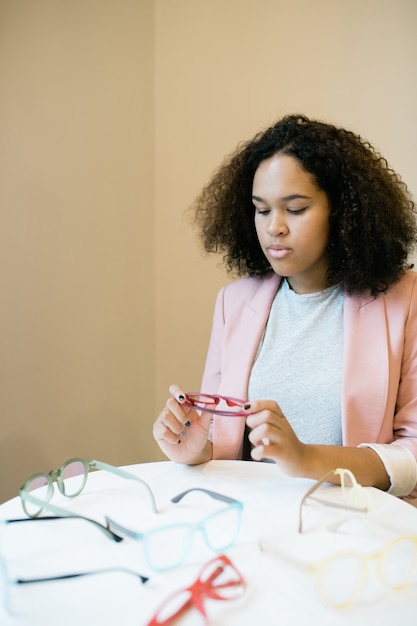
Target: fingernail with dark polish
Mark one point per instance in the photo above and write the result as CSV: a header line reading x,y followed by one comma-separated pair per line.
x,y
187,424
246,407
181,434
179,441
181,398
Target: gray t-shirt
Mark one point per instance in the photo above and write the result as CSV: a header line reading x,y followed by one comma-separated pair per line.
x,y
299,362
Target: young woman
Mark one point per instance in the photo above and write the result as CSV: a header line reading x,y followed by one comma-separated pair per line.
x,y
319,335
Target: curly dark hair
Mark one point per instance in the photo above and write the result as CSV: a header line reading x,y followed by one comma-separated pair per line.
x,y
372,220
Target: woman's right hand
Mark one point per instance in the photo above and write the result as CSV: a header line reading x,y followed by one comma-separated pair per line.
x,y
181,432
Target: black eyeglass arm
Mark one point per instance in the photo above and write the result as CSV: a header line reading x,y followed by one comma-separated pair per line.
x,y
212,494
24,581
107,531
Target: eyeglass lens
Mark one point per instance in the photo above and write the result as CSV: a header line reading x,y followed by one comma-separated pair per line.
x,y
398,563
77,470
42,484
222,405
169,546
221,528
173,606
337,591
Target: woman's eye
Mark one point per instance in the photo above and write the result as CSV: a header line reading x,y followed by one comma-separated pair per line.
x,y
262,211
297,211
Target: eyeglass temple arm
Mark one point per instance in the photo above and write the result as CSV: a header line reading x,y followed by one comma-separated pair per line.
x,y
212,494
340,505
338,472
24,581
269,547
46,518
111,524
124,474
63,514
333,526
373,522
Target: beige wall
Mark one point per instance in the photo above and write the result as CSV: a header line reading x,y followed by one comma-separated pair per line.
x,y
76,238
113,113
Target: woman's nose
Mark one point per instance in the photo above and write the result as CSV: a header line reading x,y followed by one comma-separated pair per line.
x,y
277,226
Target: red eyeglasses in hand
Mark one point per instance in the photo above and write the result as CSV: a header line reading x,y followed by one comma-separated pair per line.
x,y
210,402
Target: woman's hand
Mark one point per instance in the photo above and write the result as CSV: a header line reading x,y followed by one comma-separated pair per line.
x,y
274,438
181,432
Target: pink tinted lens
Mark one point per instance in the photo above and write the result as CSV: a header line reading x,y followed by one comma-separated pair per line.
x,y
201,398
75,468
234,402
74,477
216,404
39,482
41,489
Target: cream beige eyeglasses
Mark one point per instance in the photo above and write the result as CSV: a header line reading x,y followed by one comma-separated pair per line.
x,y
341,578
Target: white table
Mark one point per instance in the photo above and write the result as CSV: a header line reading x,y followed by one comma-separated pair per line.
x,y
277,593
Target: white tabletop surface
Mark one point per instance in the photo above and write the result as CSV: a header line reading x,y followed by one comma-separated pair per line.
x,y
277,593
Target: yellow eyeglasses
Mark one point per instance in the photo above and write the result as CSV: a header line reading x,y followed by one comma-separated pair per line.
x,y
341,578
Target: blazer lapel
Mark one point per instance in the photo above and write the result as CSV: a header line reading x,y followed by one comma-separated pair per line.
x,y
365,369
240,353
245,338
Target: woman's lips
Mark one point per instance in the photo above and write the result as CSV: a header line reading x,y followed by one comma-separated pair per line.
x,y
278,252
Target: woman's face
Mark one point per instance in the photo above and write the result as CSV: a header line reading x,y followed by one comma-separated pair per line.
x,y
292,222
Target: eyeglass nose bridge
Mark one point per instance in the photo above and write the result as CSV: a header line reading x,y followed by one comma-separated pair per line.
x,y
200,527
55,474
192,530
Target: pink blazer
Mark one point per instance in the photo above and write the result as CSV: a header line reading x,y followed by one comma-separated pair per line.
x,y
379,388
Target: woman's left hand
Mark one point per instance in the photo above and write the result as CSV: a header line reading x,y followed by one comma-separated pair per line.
x,y
274,438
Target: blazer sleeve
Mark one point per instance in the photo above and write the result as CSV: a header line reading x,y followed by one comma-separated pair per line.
x,y
212,370
405,418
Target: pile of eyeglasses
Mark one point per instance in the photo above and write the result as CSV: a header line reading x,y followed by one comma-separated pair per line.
x,y
168,546
165,546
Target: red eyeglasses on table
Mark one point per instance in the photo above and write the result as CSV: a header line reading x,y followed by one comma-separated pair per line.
x,y
218,580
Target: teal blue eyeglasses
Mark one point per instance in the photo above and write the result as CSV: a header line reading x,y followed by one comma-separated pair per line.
x,y
168,547
71,479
